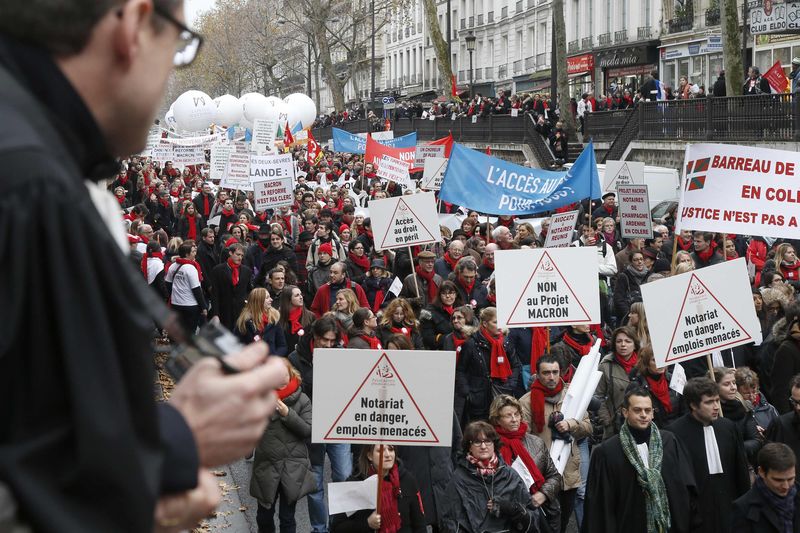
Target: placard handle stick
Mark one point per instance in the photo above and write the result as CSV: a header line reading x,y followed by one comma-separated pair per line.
x,y
724,244
380,480
416,282
674,251
548,340
711,375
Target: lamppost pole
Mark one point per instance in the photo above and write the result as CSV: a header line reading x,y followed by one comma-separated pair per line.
x,y
470,42
372,57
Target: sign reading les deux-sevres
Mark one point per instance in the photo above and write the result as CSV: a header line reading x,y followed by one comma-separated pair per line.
x,y
407,220
400,397
701,311
547,287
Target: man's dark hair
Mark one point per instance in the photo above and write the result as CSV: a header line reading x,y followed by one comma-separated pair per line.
x,y
634,391
325,325
205,231
185,249
327,225
62,28
348,210
707,236
795,382
308,195
776,456
360,317
140,209
275,270
696,388
235,247
326,213
466,263
549,359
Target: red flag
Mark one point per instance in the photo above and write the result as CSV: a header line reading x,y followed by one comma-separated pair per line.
x,y
447,142
375,151
314,152
777,78
488,150
288,140
453,89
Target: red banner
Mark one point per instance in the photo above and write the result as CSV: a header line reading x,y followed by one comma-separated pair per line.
x,y
375,151
579,64
447,142
777,78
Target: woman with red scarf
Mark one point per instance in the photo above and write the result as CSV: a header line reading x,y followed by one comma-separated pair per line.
x,y
435,319
295,319
505,414
227,216
191,223
576,342
400,500
616,368
281,466
399,318
357,261
488,366
362,335
258,321
787,264
656,380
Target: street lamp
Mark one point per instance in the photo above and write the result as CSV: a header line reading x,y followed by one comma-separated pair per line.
x,y
470,40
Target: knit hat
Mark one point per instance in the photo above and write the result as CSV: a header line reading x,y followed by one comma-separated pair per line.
x,y
661,265
343,228
326,248
229,242
796,61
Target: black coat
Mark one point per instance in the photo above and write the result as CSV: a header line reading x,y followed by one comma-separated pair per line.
x,y
208,258
182,229
198,204
268,259
474,386
412,516
272,335
623,507
384,332
435,324
715,492
786,365
752,513
719,89
786,429
227,301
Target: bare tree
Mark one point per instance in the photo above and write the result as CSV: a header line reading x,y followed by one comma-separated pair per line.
x,y
439,45
565,111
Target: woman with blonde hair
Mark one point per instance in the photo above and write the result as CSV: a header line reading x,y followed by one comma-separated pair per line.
x,y
682,257
735,409
259,321
343,308
787,264
637,319
399,317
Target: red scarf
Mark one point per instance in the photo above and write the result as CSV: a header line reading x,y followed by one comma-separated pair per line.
x,y
192,233
120,199
457,342
467,288
227,213
390,492
581,349
164,202
206,208
514,448
182,261
403,330
789,270
450,261
682,244
706,254
362,262
538,394
448,309
500,365
373,341
145,256
626,365
488,264
234,272
660,389
538,344
433,290
294,319
484,468
290,387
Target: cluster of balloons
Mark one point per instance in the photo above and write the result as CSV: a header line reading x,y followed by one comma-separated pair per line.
x,y
195,111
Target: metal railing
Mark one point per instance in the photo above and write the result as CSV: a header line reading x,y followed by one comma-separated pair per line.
x,y
530,63
586,43
620,36
679,24
538,144
572,46
502,71
712,16
604,125
604,39
643,33
541,60
517,66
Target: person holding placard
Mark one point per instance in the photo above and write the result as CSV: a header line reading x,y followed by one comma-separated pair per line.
x,y
398,319
505,414
427,282
400,501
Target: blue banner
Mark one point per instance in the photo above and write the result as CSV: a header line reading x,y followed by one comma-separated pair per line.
x,y
495,187
344,141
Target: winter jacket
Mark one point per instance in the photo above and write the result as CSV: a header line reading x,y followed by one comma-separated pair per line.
x,y
571,478
786,365
384,333
540,453
268,259
764,412
182,229
339,253
478,297
474,386
660,415
739,413
272,335
409,290
355,272
786,429
281,458
611,391
317,277
607,262
435,325
627,291
752,513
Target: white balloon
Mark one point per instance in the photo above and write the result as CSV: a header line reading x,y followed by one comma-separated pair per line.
x,y
244,121
169,119
301,109
278,109
194,111
229,110
255,106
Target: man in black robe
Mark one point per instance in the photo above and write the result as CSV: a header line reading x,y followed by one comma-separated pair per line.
x,y
230,285
615,496
716,452
83,445
786,428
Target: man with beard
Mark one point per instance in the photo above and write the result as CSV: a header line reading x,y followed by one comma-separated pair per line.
x,y
640,479
427,282
326,294
786,428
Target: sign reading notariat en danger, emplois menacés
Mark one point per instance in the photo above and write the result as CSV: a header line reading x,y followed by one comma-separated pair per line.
x,y
388,396
701,311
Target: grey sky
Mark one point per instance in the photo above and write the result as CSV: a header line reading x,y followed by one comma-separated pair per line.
x,y
196,7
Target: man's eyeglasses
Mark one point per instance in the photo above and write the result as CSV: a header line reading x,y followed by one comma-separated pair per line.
x,y
189,42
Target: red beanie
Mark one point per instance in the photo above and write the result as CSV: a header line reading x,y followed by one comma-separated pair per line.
x,y
344,227
326,248
232,240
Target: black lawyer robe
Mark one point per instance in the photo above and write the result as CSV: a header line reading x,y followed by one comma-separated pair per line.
x,y
715,492
228,300
615,501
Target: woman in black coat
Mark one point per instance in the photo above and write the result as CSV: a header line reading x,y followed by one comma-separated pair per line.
x,y
401,508
736,410
191,223
436,318
258,321
488,365
646,375
357,262
277,251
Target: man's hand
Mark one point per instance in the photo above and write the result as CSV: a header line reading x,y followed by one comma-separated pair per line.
x,y
562,427
228,413
178,512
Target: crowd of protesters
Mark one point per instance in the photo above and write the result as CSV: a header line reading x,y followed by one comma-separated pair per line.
x,y
309,275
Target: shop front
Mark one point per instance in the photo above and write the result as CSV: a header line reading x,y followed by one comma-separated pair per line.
x,y
699,61
580,70
625,67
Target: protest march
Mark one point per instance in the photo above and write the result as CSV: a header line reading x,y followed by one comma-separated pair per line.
x,y
380,333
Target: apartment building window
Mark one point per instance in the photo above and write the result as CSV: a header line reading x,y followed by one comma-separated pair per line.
x,y
623,14
520,46
576,14
531,41
609,14
490,51
646,12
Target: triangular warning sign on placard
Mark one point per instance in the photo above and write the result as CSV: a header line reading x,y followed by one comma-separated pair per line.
x,y
703,324
550,300
384,403
623,177
403,217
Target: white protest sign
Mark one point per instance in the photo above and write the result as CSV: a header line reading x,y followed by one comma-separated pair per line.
x,y
514,112
393,169
381,135
273,193
547,287
729,189
519,467
273,180
237,172
407,220
351,496
264,130
203,140
187,155
622,173
562,226
383,396
425,151
634,211
219,160
396,286
266,167
678,381
433,172
701,311
162,152
153,138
